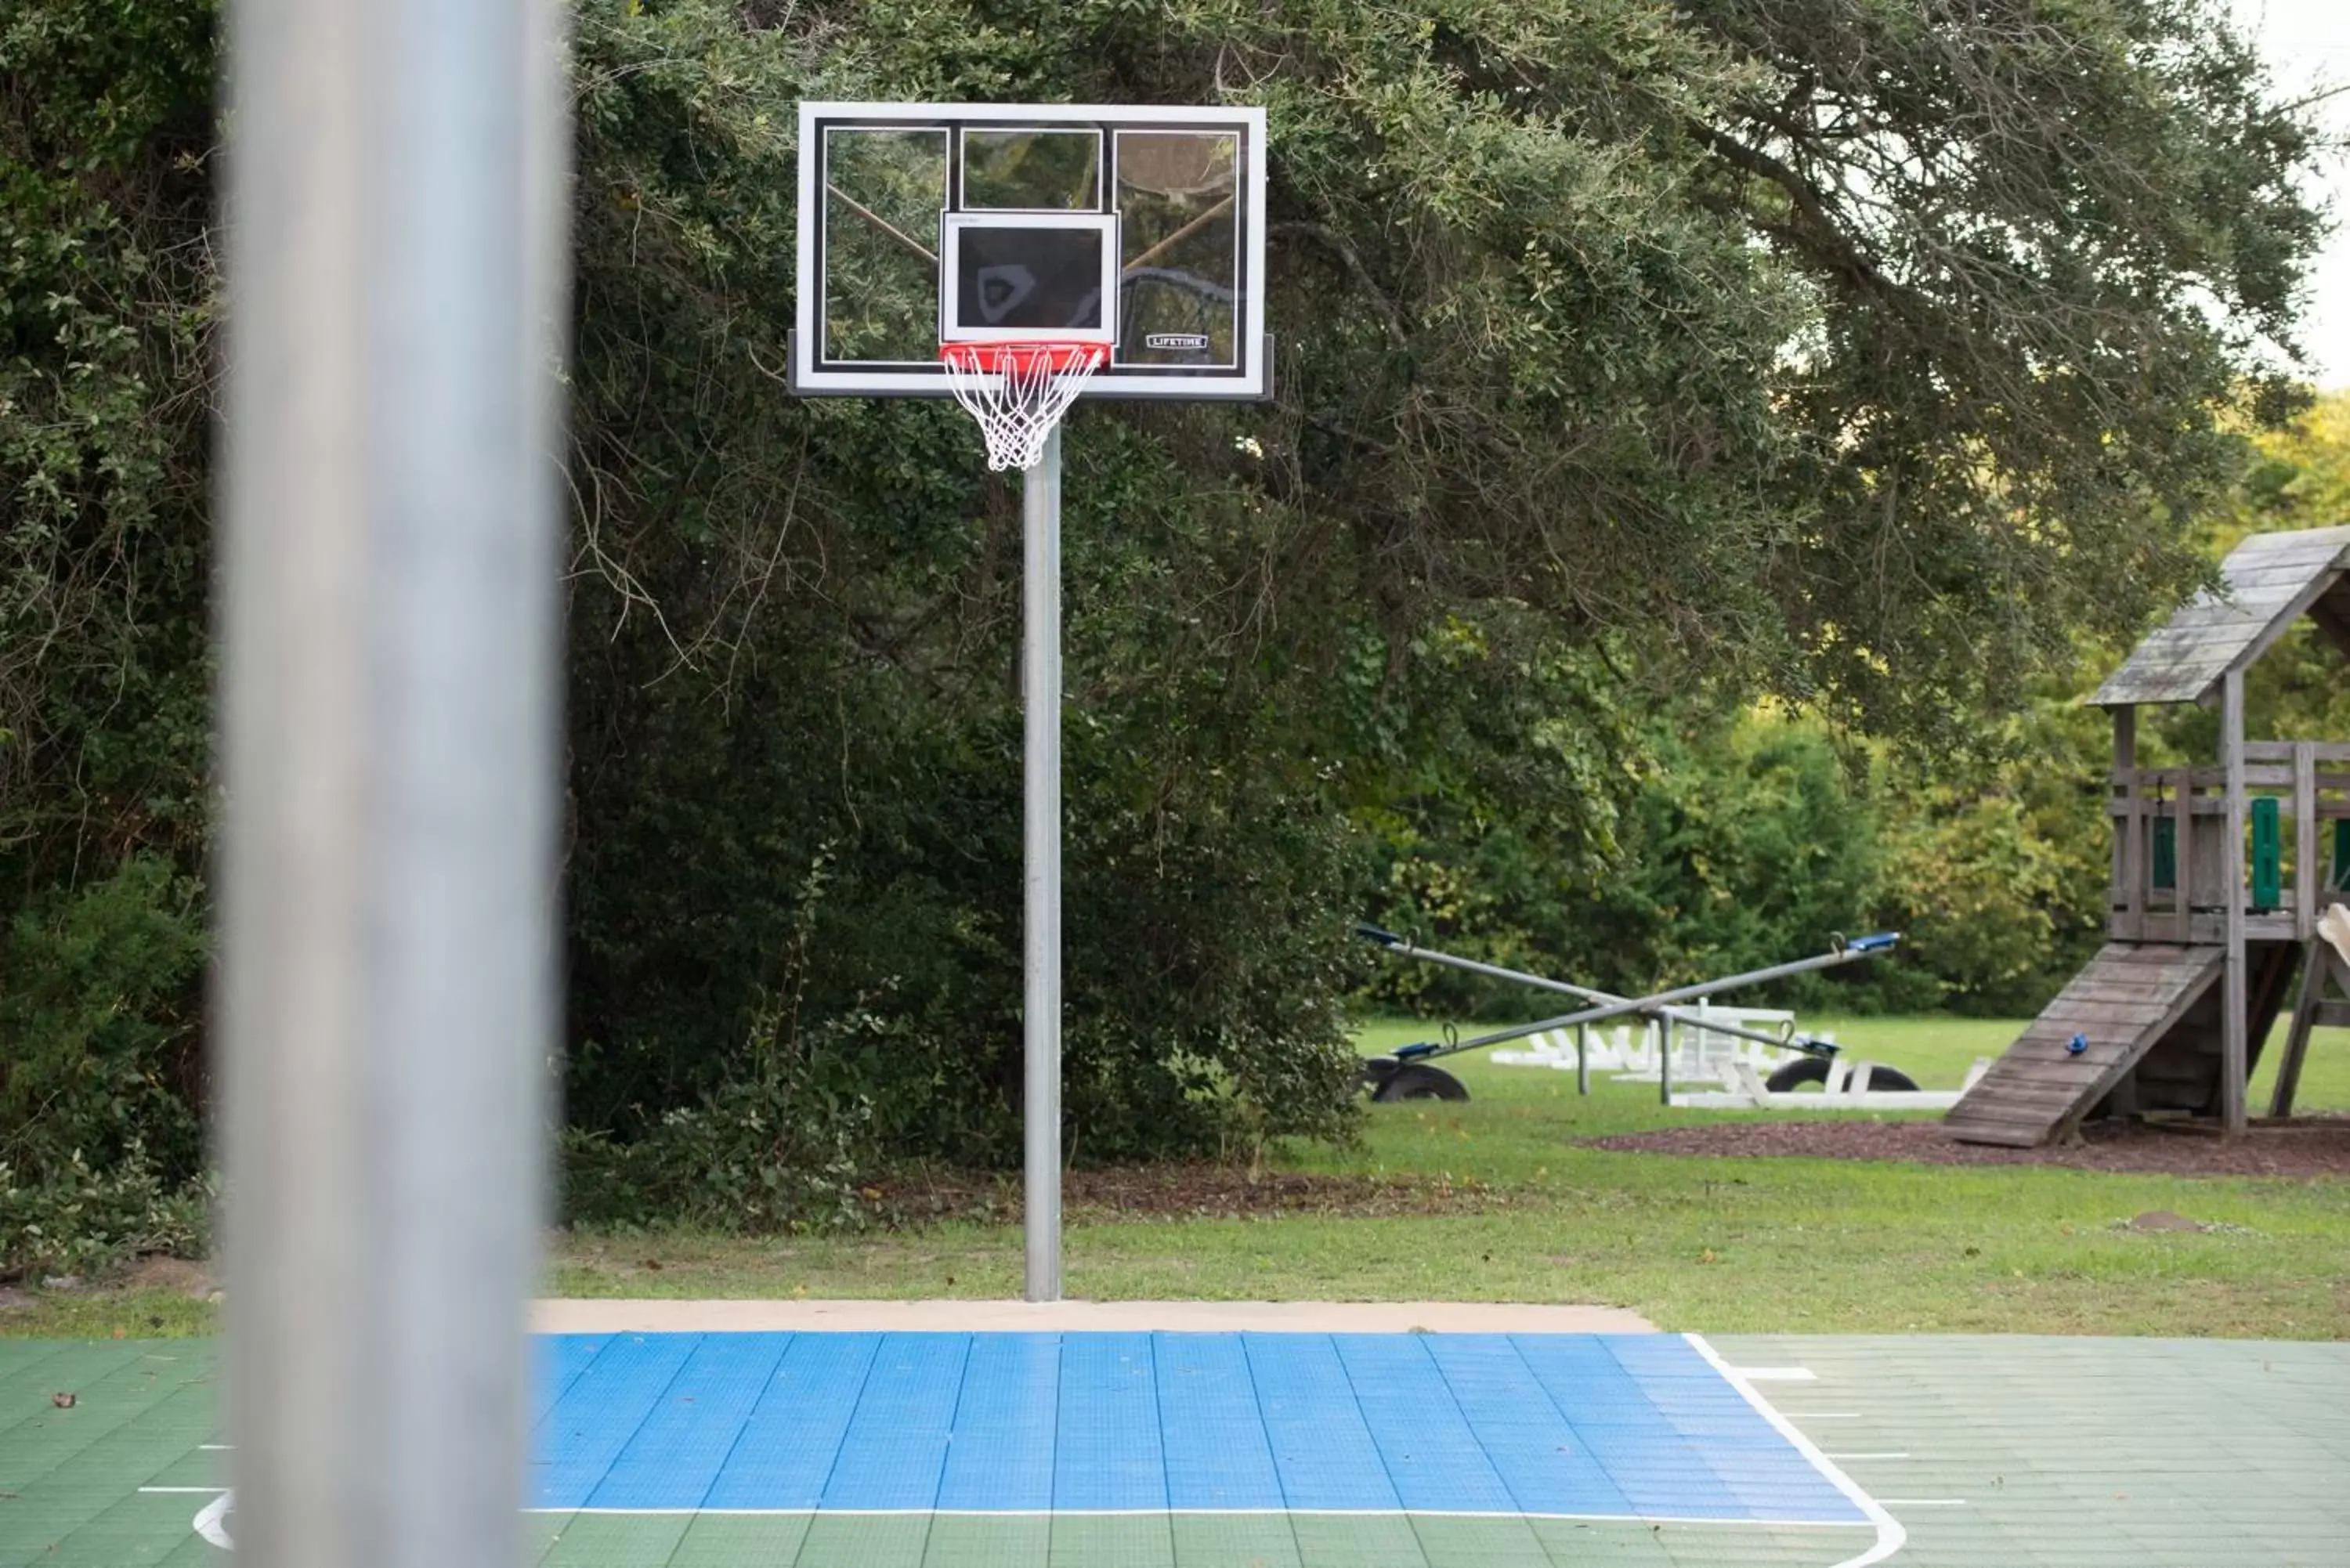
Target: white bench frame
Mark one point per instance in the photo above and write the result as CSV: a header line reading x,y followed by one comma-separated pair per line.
x,y
1846,1090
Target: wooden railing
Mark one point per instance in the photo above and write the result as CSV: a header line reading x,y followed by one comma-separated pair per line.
x,y
2170,854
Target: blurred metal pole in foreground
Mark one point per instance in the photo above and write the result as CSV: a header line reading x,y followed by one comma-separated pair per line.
x,y
389,712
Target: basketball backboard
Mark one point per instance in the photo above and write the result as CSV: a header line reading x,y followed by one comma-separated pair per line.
x,y
1139,227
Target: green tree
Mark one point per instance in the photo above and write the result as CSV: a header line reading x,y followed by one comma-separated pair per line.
x,y
1996,862
2300,687
105,302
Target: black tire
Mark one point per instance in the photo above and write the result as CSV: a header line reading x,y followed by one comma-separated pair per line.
x,y
1414,1082
1814,1070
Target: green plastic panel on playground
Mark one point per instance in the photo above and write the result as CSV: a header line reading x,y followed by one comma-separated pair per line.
x,y
2017,1452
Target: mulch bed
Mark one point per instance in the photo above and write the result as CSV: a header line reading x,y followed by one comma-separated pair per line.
x,y
1181,1192
2311,1147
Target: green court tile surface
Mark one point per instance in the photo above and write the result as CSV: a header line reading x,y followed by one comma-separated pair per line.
x,y
69,1478
1990,1452
2076,1453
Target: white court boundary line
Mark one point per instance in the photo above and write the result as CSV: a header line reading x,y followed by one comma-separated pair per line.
x,y
1890,1536
1648,1518
212,1520
213,1523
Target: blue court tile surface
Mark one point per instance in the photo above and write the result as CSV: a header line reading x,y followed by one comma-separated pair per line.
x,y
1527,1425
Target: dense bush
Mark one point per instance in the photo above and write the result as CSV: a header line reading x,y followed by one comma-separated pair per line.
x,y
1996,865
100,1079
99,1014
85,1218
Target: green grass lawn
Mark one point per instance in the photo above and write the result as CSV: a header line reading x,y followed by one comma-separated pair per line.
x,y
1719,1244
1728,1245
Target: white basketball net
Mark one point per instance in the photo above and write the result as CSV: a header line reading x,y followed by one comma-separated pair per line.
x,y
1018,391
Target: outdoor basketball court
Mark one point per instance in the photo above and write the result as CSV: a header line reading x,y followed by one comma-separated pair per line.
x,y
386,1017
1293,1450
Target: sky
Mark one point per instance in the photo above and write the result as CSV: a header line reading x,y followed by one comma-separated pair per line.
x,y
2307,43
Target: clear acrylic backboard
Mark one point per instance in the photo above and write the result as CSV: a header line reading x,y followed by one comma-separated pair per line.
x,y
1138,227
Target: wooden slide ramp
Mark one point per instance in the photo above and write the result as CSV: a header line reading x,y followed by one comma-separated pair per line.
x,y
2124,1000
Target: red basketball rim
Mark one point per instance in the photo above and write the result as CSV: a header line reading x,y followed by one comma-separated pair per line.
x,y
1028,355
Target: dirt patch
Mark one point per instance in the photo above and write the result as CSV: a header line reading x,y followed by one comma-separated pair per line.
x,y
1180,1192
168,1274
2314,1147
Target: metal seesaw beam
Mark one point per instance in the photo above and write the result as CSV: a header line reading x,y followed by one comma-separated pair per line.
x,y
1658,1004
1398,945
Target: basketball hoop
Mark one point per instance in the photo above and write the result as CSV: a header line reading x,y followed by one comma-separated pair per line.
x,y
1082,250
1018,391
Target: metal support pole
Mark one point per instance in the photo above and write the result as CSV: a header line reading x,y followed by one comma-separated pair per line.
x,y
1040,1012
2235,1001
1582,1058
2126,901
389,717
1664,1059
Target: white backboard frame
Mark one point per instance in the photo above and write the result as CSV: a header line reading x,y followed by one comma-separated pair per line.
x,y
1250,379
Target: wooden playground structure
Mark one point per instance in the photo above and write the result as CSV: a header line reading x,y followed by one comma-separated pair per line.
x,y
2224,877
